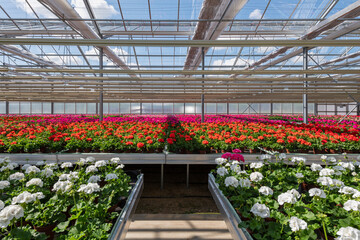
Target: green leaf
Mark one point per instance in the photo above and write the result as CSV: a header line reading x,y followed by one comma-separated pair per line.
x,y
61,227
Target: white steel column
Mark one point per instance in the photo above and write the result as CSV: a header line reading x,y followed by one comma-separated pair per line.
x,y
202,95
101,97
305,97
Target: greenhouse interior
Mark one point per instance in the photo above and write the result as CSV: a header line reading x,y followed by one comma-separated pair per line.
x,y
182,119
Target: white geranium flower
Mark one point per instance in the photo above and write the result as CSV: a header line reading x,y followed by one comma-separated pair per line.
x,y
66,165
89,188
352,205
221,171
315,167
111,176
331,160
227,165
260,210
121,166
32,169
220,161
244,183
298,159
94,179
348,190
39,195
90,159
282,156
47,172
347,165
354,174
356,195
72,176
2,205
62,186
115,160
256,177
81,162
25,166
7,167
40,163
290,196
348,233
317,192
4,184
91,168
325,181
9,213
297,224
256,165
264,190
52,166
337,184
16,176
235,168
326,172
231,181
338,168
100,163
323,157
299,175
265,157
24,197
35,181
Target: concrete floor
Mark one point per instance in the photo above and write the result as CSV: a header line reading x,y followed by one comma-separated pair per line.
x,y
178,226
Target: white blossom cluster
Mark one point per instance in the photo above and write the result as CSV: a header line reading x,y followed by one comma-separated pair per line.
x,y
317,192
256,176
222,171
352,205
298,159
316,167
101,163
94,179
115,160
256,165
26,197
66,165
220,161
111,176
35,182
91,169
16,176
9,213
32,169
290,196
47,172
72,176
89,188
348,233
260,210
4,184
329,182
231,181
264,190
297,224
62,186
244,182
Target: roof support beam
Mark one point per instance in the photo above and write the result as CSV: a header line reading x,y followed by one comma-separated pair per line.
x,y
351,11
63,10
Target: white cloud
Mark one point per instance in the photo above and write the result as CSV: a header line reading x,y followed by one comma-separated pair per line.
x,y
100,8
36,5
256,14
123,55
67,60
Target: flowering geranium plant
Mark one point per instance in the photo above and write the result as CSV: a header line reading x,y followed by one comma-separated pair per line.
x,y
292,200
68,201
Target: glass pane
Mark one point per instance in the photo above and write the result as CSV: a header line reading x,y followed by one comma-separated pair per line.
x,y
221,108
91,108
198,108
114,108
24,107
14,107
106,108
210,108
189,107
254,108
70,108
297,108
233,108
146,108
276,108
46,108
157,108
321,107
58,108
265,107
243,108
178,108
80,108
2,108
287,108
126,108
36,107
330,107
168,108
311,108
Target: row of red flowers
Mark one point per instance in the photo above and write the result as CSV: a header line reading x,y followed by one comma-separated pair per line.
x,y
183,133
